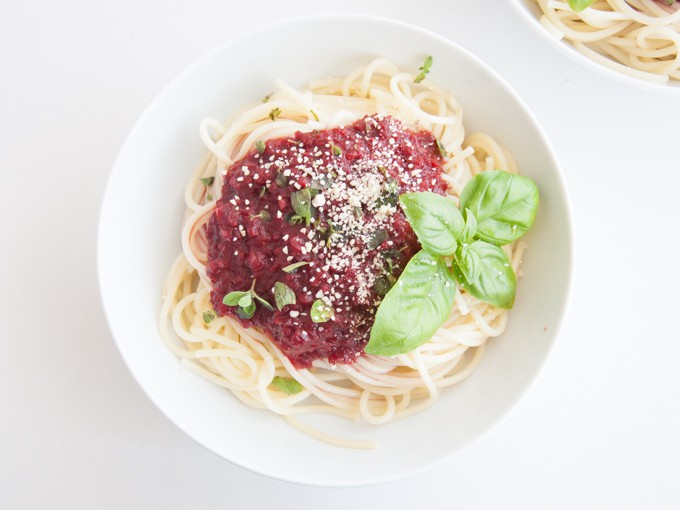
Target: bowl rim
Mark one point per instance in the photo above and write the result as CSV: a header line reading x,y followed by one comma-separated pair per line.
x,y
567,49
561,189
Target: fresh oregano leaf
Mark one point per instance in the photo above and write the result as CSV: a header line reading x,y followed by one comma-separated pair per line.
x,y
283,295
321,312
233,298
579,5
302,204
287,385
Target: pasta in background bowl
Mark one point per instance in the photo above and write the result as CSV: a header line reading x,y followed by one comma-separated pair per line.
x,y
143,212
632,41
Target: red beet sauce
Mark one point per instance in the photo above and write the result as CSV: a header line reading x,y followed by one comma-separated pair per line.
x,y
356,242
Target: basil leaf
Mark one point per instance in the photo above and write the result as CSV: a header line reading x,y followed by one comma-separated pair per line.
x,y
494,282
469,262
435,220
470,229
414,308
504,205
321,312
283,295
232,298
287,385
579,5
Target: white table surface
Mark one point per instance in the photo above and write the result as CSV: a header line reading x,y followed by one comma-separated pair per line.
x,y
599,429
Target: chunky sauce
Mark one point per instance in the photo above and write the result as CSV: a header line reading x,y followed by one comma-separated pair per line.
x,y
352,239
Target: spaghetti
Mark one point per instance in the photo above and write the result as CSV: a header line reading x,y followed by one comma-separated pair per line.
x,y
640,38
245,360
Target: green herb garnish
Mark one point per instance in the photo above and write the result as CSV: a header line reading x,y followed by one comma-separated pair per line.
x,y
499,208
337,151
377,238
302,204
287,385
283,295
246,302
275,113
209,316
264,215
266,98
281,179
316,117
442,149
579,5
424,69
321,312
292,267
208,181
260,146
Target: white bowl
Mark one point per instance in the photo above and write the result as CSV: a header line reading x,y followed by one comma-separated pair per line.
x,y
530,12
139,236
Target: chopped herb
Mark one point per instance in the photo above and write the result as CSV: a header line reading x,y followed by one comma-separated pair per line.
x,y
389,194
321,182
302,204
292,267
321,312
329,232
442,149
259,145
209,316
424,69
209,197
266,98
383,284
579,5
316,117
281,180
358,212
264,215
294,219
263,191
287,385
378,237
274,113
283,295
208,181
337,151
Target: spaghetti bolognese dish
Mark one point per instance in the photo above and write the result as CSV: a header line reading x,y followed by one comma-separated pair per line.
x,y
347,249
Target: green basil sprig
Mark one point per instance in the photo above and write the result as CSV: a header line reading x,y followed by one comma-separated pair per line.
x,y
414,308
499,208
